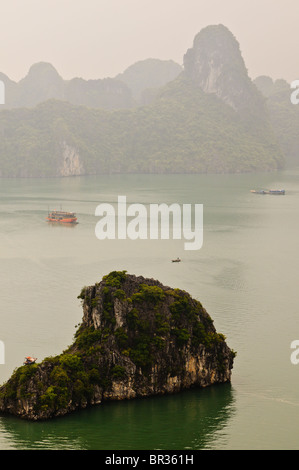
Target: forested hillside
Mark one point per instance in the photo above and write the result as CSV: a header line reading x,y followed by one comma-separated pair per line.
x,y
284,116
184,130
211,118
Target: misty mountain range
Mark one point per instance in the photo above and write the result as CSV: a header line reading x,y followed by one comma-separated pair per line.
x,y
155,117
126,90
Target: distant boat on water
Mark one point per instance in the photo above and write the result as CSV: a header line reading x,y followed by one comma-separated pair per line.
x,y
177,260
62,217
278,192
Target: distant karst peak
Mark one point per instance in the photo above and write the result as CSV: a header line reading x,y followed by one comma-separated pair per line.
x,y
42,68
216,65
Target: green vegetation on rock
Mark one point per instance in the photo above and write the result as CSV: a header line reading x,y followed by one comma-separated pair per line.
x,y
127,345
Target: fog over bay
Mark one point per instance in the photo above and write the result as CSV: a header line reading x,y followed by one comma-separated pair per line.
x,y
100,38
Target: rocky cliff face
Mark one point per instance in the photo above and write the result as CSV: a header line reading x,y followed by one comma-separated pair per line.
x,y
215,64
137,338
71,162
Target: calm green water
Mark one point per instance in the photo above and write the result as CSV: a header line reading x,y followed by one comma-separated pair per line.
x,y
245,275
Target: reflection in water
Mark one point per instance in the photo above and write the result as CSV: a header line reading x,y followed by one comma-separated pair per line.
x,y
184,421
61,224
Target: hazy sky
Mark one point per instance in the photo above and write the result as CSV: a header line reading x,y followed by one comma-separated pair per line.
x,y
100,38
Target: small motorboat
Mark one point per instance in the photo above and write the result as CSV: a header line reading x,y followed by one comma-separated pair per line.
x,y
29,360
177,260
278,192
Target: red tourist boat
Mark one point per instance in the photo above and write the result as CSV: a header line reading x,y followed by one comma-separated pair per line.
x,y
62,217
29,360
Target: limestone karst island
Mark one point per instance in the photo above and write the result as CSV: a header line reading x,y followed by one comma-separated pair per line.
x,y
137,338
